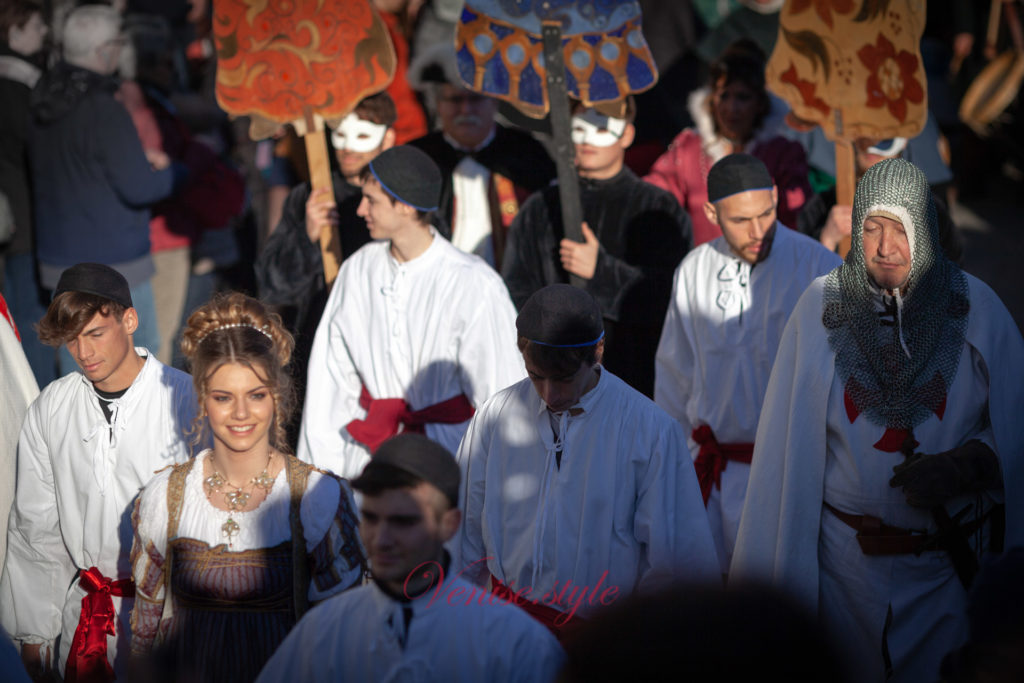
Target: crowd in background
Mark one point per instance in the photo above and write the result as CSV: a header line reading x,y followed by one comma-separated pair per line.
x,y
199,207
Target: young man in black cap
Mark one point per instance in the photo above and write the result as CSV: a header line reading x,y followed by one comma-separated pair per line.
x,y
289,268
635,234
417,616
575,484
90,441
415,334
732,297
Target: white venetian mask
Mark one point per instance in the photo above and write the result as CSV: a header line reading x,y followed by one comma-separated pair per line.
x,y
595,129
354,134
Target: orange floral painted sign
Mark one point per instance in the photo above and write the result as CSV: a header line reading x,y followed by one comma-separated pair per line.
x,y
852,66
279,59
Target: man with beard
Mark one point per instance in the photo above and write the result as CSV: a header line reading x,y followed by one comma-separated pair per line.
x,y
731,298
897,370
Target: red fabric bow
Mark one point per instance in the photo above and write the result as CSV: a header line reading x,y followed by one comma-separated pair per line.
x,y
713,457
384,416
87,661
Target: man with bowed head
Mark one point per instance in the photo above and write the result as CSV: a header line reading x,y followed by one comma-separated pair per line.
x,y
415,335
418,619
575,482
889,434
731,298
90,441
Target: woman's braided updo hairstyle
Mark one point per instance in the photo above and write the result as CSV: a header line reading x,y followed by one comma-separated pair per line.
x,y
235,328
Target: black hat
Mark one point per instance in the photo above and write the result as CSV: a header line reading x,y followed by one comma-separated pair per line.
x,y
561,316
737,173
409,175
98,279
417,455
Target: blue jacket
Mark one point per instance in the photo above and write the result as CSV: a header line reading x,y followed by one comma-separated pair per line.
x,y
93,184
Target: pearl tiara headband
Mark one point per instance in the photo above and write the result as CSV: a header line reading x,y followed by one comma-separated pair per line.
x,y
261,330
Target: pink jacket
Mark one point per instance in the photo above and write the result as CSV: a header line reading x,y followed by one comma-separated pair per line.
x,y
683,171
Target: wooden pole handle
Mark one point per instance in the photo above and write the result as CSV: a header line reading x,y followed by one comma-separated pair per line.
x,y
320,177
846,183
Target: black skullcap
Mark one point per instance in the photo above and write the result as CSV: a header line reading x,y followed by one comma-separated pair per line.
x,y
409,175
98,279
562,316
737,173
417,455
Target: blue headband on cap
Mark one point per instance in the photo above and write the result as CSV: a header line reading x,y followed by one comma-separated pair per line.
x,y
395,195
568,346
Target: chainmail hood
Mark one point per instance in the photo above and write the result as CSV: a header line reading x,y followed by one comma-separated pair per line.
x,y
897,354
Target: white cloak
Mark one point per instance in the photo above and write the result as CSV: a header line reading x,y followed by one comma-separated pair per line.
x,y
18,389
426,330
456,634
717,346
77,479
807,450
623,510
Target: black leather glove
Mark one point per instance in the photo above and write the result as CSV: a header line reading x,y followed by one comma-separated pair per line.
x,y
930,480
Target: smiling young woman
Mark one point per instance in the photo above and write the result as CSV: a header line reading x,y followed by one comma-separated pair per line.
x,y
244,536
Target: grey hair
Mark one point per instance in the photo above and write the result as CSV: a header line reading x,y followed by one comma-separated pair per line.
x,y
87,28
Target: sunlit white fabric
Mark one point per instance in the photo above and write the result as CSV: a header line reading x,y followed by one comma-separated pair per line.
x,y
77,479
455,634
623,509
425,330
716,351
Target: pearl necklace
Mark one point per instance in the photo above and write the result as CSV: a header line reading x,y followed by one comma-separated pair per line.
x,y
237,497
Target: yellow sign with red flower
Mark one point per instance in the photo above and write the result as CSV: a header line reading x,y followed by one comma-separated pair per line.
x,y
852,66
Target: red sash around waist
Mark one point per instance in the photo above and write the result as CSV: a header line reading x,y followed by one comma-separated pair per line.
x,y
713,456
558,622
384,417
87,661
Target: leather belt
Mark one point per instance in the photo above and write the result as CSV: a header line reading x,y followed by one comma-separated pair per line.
x,y
876,538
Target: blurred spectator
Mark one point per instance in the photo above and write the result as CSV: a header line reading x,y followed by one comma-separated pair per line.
x,y
93,182
411,122
22,31
211,197
756,20
734,113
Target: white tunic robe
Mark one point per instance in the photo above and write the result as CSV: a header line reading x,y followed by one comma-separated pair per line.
x,y
426,330
717,346
77,479
622,511
456,633
909,608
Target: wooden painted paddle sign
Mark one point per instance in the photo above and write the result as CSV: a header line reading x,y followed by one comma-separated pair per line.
x,y
854,68
304,63
597,54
